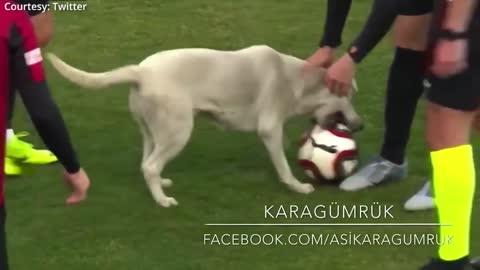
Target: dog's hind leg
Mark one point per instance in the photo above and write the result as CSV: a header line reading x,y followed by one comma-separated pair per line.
x,y
146,136
151,171
170,123
135,103
272,137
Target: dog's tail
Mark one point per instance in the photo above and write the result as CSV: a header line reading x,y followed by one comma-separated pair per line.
x,y
126,74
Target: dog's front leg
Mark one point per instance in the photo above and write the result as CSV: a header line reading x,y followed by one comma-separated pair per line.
x,y
273,140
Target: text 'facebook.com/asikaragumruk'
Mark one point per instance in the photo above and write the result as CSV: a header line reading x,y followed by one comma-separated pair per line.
x,y
326,239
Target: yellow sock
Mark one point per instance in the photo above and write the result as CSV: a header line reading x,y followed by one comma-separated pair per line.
x,y
454,187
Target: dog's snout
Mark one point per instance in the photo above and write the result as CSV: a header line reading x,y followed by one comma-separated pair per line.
x,y
358,127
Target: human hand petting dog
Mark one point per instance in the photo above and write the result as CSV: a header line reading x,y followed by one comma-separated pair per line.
x,y
339,76
78,183
323,57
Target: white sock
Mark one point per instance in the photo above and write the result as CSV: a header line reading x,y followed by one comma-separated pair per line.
x,y
9,134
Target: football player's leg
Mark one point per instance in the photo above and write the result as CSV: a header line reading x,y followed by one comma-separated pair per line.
x,y
447,133
405,86
450,112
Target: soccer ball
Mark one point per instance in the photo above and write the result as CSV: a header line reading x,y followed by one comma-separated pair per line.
x,y
328,154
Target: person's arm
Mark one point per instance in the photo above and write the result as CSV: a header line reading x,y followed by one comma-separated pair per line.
x,y
28,78
450,51
27,75
380,19
337,11
340,74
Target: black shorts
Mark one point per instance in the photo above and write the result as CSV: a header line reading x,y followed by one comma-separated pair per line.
x,y
416,7
462,91
3,241
459,92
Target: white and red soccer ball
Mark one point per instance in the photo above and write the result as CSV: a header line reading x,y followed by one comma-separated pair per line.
x,y
328,154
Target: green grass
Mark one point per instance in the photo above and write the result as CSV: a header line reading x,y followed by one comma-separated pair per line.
x,y
219,177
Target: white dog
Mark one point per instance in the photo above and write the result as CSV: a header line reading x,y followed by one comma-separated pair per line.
x,y
252,89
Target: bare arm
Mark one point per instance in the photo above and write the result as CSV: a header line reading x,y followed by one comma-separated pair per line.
x,y
459,14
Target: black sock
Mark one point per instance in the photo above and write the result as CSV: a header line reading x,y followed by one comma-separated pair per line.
x,y
405,86
450,265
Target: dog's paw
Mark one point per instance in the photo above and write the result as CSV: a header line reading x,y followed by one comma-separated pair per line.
x,y
303,188
165,182
167,202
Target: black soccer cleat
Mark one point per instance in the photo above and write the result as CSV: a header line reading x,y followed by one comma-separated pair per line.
x,y
461,264
475,263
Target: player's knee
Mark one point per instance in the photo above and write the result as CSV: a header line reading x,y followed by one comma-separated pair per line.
x,y
411,32
445,127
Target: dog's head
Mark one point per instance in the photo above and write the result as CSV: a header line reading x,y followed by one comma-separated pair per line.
x,y
339,110
327,108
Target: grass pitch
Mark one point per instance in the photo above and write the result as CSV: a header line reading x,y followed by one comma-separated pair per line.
x,y
219,177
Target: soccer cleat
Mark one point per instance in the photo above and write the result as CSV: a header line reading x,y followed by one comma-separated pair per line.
x,y
461,264
376,172
24,152
426,84
422,200
475,263
11,168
